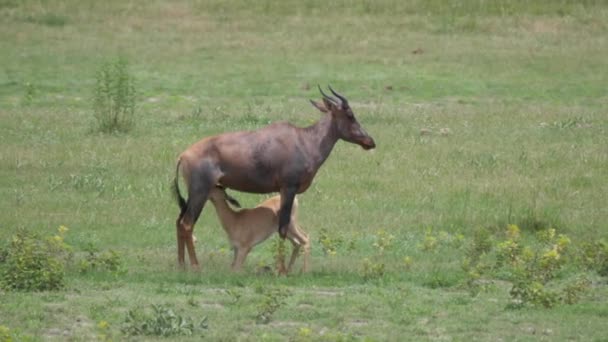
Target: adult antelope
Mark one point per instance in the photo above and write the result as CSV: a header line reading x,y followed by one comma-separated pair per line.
x,y
277,158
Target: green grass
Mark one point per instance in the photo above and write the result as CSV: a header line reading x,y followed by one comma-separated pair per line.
x,y
520,86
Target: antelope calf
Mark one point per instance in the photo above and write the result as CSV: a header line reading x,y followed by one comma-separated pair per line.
x,y
249,227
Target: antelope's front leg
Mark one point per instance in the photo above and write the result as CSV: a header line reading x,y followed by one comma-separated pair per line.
x,y
287,196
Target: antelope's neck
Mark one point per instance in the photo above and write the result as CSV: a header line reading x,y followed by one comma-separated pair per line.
x,y
323,136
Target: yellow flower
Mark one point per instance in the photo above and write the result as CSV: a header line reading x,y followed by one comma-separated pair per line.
x,y
407,262
304,332
562,242
513,232
62,229
103,325
551,255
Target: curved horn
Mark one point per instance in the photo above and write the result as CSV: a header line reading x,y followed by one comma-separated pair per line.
x,y
342,98
332,99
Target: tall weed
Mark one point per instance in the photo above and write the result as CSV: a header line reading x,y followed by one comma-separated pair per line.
x,y
114,98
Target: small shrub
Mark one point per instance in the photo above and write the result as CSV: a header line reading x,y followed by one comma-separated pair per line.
x,y
433,241
408,262
95,260
508,253
329,243
5,334
474,281
234,294
114,98
527,291
533,266
383,241
572,293
29,93
278,246
594,256
35,264
372,270
274,298
440,278
103,331
162,322
480,244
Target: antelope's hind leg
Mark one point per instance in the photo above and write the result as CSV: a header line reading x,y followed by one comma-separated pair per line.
x,y
240,254
181,243
198,192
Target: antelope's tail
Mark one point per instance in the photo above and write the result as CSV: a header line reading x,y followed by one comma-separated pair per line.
x,y
178,196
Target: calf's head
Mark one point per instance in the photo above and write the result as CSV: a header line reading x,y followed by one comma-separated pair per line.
x,y
218,193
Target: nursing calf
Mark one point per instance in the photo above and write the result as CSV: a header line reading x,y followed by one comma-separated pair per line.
x,y
248,227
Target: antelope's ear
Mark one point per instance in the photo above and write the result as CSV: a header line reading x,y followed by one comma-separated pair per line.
x,y
319,106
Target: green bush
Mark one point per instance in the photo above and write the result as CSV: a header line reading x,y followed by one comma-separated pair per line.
x,y
35,264
372,270
114,98
274,298
594,256
162,322
109,260
329,243
533,266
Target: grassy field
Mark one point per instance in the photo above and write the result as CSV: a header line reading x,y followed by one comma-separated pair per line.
x,y
485,113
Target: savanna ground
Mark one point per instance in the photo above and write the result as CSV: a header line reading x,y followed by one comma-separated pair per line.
x,y
485,114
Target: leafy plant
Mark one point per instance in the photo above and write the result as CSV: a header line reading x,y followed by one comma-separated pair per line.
x,y
35,264
234,294
103,329
430,241
329,243
273,299
372,270
533,267
383,241
407,262
114,97
162,322
572,293
480,244
526,291
109,260
5,334
30,93
278,246
594,256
